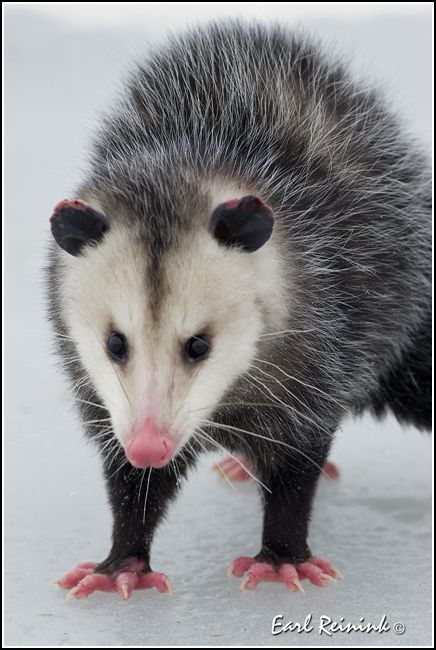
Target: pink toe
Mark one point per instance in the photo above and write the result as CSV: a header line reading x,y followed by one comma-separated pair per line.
x,y
154,579
232,469
318,571
238,473
83,581
330,470
325,567
125,583
258,572
289,575
241,565
91,583
226,464
313,573
73,577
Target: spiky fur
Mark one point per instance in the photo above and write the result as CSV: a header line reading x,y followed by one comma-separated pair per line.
x,y
246,106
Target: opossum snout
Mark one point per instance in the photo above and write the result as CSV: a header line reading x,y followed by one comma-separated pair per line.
x,y
149,447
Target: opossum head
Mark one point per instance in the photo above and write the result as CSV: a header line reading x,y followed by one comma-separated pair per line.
x,y
164,336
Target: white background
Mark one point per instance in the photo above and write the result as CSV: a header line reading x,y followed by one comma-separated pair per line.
x,y
62,65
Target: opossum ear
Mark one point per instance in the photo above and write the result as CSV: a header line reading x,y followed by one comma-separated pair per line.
x,y
75,224
246,222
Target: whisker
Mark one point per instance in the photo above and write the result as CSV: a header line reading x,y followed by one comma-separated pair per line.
x,y
84,401
291,408
102,434
280,383
277,399
258,435
107,446
55,334
71,360
218,466
125,462
98,426
204,434
226,404
146,495
82,381
140,485
114,369
282,332
117,453
299,381
176,467
97,421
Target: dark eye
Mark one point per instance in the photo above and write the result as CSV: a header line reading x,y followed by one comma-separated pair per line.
x,y
196,348
117,345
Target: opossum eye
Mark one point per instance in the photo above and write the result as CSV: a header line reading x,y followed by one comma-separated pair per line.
x,y
196,348
117,345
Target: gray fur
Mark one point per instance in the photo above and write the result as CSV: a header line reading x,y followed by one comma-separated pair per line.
x,y
350,191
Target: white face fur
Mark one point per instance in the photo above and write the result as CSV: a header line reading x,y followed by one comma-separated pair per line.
x,y
233,296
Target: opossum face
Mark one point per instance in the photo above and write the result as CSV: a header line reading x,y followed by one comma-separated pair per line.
x,y
162,349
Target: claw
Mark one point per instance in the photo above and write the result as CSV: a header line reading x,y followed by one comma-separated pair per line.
x,y
298,584
83,580
327,577
72,593
326,568
289,575
244,582
169,586
317,571
339,574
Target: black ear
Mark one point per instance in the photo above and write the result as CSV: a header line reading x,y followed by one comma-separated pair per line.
x,y
75,224
246,222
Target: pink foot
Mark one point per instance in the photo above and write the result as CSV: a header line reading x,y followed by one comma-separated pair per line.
x,y
83,580
331,471
234,470
318,571
231,469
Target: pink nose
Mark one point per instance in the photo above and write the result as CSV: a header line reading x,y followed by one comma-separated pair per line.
x,y
149,448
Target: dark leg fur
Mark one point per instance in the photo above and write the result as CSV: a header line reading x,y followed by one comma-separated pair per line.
x,y
286,516
291,478
135,521
138,505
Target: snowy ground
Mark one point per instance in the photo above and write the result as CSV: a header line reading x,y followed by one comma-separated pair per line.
x,y
375,523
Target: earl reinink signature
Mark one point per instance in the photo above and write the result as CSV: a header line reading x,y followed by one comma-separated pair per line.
x,y
328,626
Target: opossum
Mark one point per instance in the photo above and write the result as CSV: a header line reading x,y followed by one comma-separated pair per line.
x,y
247,261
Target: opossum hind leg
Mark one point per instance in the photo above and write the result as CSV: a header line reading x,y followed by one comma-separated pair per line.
x,y
408,388
234,468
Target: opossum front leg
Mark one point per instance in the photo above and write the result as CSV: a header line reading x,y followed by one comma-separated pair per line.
x,y
139,499
285,555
